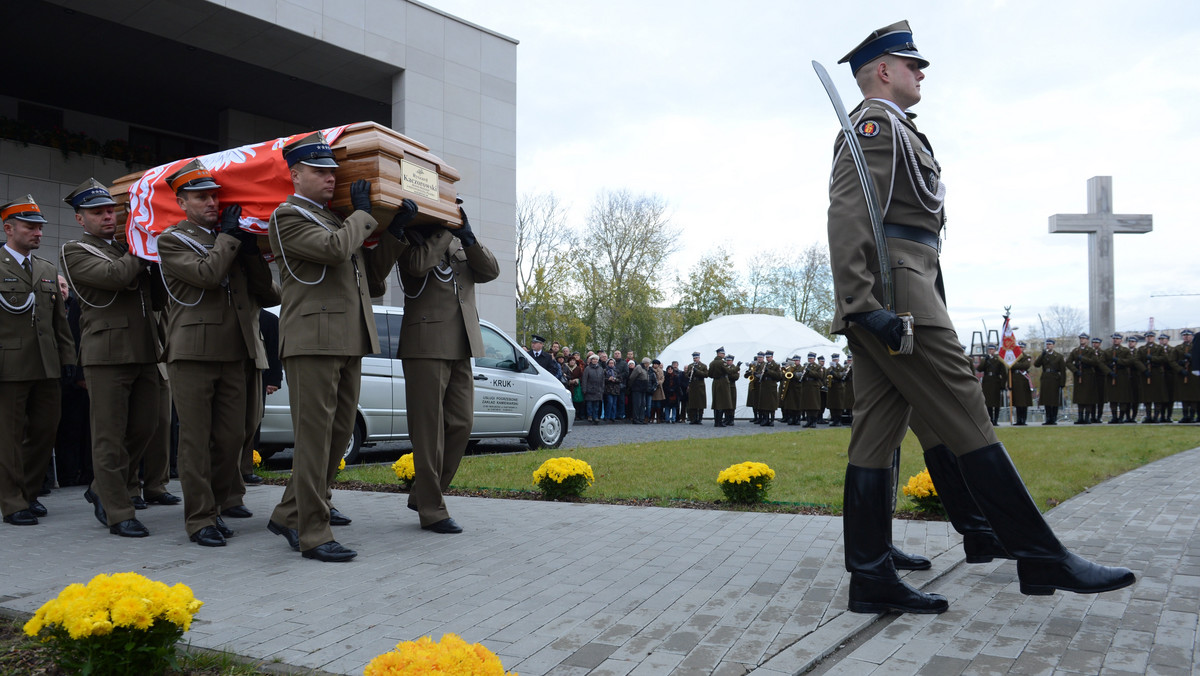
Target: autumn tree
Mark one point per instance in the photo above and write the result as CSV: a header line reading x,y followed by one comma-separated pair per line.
x,y
710,289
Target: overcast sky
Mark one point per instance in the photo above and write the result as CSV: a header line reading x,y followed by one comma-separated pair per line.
x,y
715,107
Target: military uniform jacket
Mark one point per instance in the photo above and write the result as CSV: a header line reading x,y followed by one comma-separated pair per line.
x,y
693,378
439,277
1152,358
768,389
1022,389
1118,382
908,183
995,375
1053,378
789,391
722,395
117,303
215,296
838,375
752,370
1187,386
35,339
328,279
1081,362
811,377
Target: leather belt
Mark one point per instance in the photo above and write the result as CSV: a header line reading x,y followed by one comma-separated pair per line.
x,y
919,235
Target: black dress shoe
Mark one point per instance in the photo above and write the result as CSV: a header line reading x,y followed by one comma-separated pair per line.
x,y
237,512
252,479
37,508
414,508
99,508
164,499
336,518
138,502
208,536
330,552
23,517
129,528
225,531
289,534
444,526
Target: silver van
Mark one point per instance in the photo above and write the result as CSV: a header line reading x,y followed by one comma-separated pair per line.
x,y
514,397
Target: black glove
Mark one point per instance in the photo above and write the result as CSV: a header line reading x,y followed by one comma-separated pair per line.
x,y
360,195
229,219
123,247
883,324
465,234
404,215
249,242
68,373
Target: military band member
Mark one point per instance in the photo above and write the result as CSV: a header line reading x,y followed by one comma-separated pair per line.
x,y
789,392
993,382
1187,386
213,343
848,409
1118,382
768,389
754,377
36,350
932,388
1020,387
732,372
722,399
697,395
326,325
1053,378
119,352
1081,362
810,390
838,377
1164,371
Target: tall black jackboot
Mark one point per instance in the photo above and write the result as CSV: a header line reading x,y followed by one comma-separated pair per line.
x,y
1043,563
770,419
1114,417
717,418
1149,414
1079,419
979,541
867,524
835,417
900,559
810,417
1051,416
1021,411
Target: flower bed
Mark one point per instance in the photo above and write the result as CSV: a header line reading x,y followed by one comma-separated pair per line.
x,y
746,483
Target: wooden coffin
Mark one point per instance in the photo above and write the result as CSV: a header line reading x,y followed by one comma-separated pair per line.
x,y
398,167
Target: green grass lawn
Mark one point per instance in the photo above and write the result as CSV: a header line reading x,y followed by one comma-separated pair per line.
x,y
1055,463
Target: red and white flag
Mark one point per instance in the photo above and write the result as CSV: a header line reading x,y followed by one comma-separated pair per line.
x,y
1009,350
254,176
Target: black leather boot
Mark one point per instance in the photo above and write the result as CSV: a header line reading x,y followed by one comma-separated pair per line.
x,y
979,541
770,419
867,521
1043,563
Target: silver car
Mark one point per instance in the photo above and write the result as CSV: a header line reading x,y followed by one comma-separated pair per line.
x,y
514,396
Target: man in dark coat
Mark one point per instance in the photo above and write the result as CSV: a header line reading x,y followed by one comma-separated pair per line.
x,y
1053,378
697,395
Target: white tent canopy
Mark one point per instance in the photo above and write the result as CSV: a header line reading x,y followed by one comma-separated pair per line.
x,y
743,336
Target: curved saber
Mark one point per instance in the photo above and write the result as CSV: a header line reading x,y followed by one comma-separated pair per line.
x,y
876,212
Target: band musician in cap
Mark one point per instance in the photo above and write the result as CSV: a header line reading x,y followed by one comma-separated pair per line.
x,y
217,282
326,326
932,386
119,296
36,350
693,383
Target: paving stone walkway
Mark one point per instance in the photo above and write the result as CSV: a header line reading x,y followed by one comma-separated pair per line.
x,y
604,589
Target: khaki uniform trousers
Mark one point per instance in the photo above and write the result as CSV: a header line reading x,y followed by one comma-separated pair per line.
x,y
210,399
254,414
156,464
323,395
934,383
440,397
29,412
129,405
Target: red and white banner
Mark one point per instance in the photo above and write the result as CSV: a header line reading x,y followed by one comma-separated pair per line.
x,y
254,176
1009,350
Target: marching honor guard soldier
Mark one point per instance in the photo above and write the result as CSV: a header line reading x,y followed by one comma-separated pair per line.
x,y
326,326
1021,389
697,395
213,344
934,382
438,336
1151,384
36,350
119,352
1187,386
1053,379
723,399
838,380
810,390
1118,384
995,373
1087,386
732,372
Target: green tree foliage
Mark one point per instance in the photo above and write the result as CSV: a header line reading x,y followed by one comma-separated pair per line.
x,y
710,289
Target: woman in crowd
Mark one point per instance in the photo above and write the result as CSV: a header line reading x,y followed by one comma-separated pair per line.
x,y
612,390
592,381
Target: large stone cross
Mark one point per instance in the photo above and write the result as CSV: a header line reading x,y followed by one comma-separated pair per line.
x,y
1100,223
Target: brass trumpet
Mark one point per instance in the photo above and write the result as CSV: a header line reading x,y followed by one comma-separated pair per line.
x,y
789,374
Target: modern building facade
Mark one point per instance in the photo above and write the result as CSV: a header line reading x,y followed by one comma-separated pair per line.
x,y
151,81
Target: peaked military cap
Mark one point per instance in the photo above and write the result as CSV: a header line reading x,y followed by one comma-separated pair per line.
x,y
192,176
1116,336
1097,340
1163,335
836,356
894,39
821,358
24,209
812,355
728,357
1186,332
769,353
312,150
1084,335
991,346
1049,341
1149,334
695,354
795,357
88,195
1132,338
535,338
720,350
760,354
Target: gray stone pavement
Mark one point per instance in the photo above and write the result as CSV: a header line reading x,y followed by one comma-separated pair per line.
x,y
604,589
